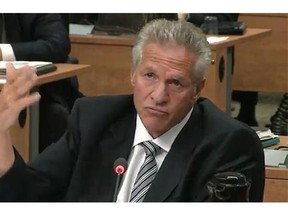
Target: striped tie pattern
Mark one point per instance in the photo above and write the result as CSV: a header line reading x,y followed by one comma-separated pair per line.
x,y
146,174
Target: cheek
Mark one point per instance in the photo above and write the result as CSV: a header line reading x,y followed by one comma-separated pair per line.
x,y
141,88
140,94
182,105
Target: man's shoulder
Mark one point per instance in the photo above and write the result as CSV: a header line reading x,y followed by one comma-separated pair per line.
x,y
208,107
218,126
221,120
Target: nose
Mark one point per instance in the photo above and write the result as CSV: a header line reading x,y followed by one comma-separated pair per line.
x,y
160,95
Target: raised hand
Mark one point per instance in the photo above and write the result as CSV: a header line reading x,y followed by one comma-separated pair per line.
x,y
15,95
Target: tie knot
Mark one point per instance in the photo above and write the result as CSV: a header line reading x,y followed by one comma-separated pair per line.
x,y
151,148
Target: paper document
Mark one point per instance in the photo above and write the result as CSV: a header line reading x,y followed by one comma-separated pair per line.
x,y
2,80
18,64
80,29
275,158
266,134
215,39
41,66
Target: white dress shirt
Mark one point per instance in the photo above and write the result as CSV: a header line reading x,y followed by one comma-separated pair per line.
x,y
7,52
137,155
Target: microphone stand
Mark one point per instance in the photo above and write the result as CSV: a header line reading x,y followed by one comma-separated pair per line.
x,y
120,166
116,187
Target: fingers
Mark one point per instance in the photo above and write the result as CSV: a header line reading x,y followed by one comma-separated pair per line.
x,y
15,94
19,82
10,111
26,101
13,74
10,72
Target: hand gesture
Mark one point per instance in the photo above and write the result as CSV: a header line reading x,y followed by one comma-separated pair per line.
x,y
15,94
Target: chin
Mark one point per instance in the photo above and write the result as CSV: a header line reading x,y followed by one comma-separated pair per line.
x,y
156,129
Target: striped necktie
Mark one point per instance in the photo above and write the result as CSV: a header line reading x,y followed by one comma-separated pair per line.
x,y
146,173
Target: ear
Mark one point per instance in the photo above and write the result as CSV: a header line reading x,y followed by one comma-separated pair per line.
x,y
132,75
199,88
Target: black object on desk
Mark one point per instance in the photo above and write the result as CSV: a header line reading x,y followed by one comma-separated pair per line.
x,y
41,67
46,69
229,187
228,28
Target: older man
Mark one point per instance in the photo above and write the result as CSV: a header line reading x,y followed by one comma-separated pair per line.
x,y
181,139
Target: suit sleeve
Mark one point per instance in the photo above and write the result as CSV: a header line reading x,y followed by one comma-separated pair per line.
x,y
241,151
45,38
47,177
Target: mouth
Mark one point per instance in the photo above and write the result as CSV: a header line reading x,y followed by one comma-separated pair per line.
x,y
155,111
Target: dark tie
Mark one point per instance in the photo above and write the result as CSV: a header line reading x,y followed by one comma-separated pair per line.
x,y
146,173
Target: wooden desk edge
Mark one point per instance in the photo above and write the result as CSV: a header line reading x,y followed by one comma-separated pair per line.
x,y
121,40
124,40
250,34
276,173
64,71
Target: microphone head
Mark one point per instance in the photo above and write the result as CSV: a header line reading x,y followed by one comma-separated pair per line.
x,y
120,166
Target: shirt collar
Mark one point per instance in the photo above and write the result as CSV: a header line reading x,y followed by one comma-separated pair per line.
x,y
166,140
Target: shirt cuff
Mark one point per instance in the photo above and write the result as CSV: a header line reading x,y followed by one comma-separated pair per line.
x,y
7,52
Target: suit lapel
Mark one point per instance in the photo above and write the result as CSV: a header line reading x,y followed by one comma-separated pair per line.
x,y
117,145
173,166
122,135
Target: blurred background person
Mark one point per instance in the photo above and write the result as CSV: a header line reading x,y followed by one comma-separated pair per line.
x,y
279,121
42,37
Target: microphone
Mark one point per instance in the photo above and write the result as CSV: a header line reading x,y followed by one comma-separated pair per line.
x,y
120,166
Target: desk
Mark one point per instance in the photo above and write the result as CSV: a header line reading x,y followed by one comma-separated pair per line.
x,y
218,89
110,58
266,59
26,138
276,180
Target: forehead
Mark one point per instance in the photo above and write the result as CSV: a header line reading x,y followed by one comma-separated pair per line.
x,y
169,54
167,48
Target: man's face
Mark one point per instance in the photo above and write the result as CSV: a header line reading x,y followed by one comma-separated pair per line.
x,y
163,87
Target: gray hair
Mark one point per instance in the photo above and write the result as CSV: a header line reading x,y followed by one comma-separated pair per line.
x,y
181,32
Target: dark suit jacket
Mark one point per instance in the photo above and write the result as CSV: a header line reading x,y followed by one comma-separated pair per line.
x,y
80,166
37,37
44,37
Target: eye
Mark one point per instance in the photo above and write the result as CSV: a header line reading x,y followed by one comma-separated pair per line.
x,y
175,82
149,75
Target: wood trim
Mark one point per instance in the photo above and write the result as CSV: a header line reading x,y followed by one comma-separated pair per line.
x,y
234,40
276,173
262,65
63,71
123,40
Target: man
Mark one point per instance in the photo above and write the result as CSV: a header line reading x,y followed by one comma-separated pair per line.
x,y
194,140
42,37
